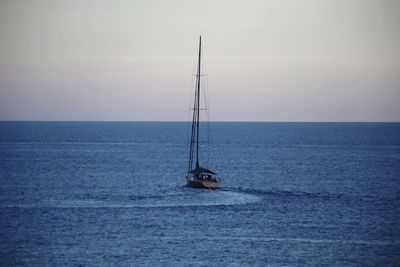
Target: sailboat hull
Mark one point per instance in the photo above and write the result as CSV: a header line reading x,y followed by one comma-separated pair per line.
x,y
197,183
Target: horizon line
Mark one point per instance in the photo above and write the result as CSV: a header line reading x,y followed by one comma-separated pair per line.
x,y
218,121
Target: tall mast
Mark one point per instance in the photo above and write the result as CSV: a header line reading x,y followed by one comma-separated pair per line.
x,y
198,104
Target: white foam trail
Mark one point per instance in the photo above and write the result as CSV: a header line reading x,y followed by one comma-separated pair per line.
x,y
192,198
204,198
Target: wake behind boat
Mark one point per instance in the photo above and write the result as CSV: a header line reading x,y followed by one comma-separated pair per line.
x,y
198,177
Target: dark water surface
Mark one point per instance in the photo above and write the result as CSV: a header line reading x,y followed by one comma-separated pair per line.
x,y
111,193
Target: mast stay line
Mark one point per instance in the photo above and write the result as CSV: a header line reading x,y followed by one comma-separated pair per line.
x,y
198,106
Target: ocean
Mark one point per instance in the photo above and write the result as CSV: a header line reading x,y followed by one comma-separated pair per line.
x,y
114,194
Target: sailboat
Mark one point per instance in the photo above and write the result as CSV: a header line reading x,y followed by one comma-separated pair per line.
x,y
197,176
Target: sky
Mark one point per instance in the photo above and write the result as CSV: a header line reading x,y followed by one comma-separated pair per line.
x,y
271,60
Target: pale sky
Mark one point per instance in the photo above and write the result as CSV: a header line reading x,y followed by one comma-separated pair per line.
x,y
280,60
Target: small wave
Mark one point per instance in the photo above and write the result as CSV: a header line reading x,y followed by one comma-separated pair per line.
x,y
284,193
295,240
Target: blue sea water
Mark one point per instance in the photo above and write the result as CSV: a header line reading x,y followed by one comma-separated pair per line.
x,y
113,194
